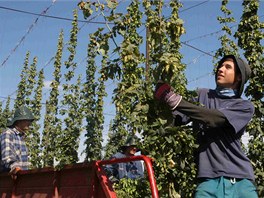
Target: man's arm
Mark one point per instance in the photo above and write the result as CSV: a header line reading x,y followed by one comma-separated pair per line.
x,y
8,153
210,117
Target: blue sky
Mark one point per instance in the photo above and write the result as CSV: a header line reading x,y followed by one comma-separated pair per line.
x,y
200,21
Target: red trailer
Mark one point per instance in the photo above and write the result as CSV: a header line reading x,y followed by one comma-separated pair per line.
x,y
78,180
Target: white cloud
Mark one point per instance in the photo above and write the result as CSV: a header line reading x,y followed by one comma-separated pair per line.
x,y
47,84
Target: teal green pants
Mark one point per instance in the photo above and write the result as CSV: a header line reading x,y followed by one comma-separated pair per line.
x,y
226,188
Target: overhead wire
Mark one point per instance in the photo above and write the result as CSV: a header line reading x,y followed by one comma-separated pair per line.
x,y
203,36
213,33
53,57
203,52
86,56
85,21
63,18
5,98
196,5
185,43
193,61
103,23
191,46
82,59
27,33
49,16
200,77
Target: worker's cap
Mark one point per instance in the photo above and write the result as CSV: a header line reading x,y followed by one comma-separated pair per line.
x,y
132,141
21,113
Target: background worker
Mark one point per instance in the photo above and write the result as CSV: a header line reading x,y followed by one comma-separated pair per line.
x,y
14,153
131,170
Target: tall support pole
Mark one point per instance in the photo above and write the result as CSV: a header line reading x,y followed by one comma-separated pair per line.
x,y
147,54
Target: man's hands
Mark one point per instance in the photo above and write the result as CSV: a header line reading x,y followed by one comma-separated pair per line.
x,y
161,90
164,93
14,172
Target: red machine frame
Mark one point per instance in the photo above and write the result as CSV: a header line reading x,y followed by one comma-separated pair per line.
x,y
77,180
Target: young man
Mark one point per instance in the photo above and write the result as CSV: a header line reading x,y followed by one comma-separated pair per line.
x,y
220,121
131,170
14,154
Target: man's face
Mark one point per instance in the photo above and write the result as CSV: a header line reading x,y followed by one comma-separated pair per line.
x,y
131,150
227,76
23,125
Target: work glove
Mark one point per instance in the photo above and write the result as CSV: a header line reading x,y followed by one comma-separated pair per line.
x,y
164,93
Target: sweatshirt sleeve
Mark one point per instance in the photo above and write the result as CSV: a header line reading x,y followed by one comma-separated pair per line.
x,y
239,114
210,117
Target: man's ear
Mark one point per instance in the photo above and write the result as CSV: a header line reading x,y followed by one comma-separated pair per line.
x,y
238,78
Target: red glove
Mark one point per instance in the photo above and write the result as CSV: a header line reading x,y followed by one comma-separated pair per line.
x,y
161,90
164,93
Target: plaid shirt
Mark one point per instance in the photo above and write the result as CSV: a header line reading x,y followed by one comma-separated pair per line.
x,y
13,150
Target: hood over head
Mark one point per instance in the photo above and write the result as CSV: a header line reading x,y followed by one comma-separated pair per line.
x,y
243,68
